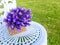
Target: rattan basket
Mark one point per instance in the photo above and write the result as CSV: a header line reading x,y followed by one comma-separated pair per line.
x,y
15,31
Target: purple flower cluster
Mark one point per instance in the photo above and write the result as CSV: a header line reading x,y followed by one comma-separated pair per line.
x,y
18,17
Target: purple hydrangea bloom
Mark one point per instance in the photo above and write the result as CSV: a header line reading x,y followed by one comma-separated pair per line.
x,y
18,17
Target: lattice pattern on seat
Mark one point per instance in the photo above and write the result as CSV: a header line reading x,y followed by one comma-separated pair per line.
x,y
26,39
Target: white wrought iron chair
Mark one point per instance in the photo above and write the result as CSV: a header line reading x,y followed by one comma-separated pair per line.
x,y
38,38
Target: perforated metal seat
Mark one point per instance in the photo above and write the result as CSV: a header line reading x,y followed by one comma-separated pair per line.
x,y
35,34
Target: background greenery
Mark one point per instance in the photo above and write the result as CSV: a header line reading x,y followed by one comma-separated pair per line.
x,y
47,13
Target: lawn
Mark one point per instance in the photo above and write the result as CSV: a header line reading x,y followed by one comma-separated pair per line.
x,y
47,13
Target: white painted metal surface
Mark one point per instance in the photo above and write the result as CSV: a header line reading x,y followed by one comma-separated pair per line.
x,y
1,4
38,30
8,4
35,35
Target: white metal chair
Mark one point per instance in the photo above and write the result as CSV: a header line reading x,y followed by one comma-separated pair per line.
x,y
9,4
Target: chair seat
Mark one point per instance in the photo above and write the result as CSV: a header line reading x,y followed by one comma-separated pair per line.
x,y
35,35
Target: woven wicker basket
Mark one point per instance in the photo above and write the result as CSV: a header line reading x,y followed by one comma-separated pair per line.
x,y
16,31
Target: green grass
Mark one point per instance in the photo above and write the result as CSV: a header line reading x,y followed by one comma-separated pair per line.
x,y
47,13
